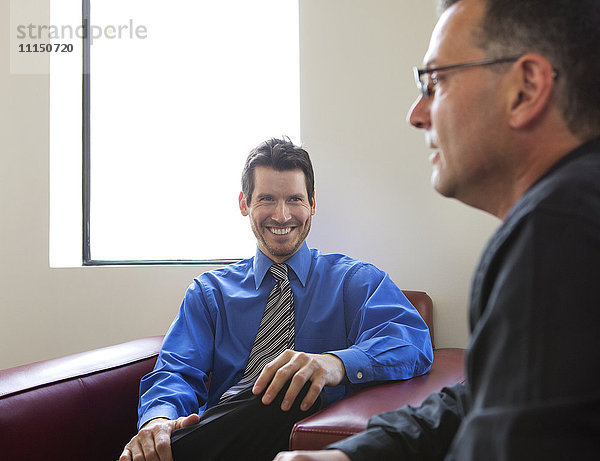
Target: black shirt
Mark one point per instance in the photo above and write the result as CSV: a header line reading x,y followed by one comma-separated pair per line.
x,y
531,391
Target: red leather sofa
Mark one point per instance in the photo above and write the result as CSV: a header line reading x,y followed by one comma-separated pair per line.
x,y
84,406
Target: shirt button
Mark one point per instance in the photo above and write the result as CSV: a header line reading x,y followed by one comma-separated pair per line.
x,y
359,375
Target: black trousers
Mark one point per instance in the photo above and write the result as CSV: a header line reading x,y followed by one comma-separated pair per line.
x,y
242,428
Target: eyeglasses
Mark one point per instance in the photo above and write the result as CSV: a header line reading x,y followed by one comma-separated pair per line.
x,y
427,85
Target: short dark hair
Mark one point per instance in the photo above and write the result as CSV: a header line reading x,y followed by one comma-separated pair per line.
x,y
565,32
281,155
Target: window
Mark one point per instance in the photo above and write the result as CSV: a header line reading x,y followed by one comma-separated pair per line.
x,y
177,95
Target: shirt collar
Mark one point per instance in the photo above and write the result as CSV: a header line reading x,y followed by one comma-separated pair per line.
x,y
299,262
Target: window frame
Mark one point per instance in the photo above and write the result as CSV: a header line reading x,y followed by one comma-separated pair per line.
x,y
87,259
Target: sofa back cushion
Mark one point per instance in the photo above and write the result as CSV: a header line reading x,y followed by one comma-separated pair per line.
x,y
424,304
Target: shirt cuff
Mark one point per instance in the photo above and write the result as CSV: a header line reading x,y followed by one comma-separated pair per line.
x,y
365,446
356,363
159,411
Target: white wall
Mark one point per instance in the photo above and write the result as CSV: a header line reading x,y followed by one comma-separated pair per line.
x,y
374,201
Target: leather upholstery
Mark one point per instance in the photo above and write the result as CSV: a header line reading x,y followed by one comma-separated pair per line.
x,y
350,416
80,407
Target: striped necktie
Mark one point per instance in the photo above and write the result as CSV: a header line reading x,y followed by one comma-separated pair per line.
x,y
275,333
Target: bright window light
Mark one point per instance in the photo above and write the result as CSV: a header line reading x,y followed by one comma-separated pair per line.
x,y
180,92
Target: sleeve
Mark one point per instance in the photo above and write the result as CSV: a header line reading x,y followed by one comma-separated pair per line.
x,y
387,338
423,433
178,384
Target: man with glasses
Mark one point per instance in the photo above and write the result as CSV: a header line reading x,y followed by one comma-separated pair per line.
x,y
510,105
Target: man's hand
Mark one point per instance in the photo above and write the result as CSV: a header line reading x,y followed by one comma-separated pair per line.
x,y
323,455
153,441
299,367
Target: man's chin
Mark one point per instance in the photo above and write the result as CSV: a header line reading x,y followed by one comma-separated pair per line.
x,y
442,188
436,181
281,252
281,248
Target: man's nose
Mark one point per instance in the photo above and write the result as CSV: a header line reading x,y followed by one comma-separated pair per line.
x,y
418,114
282,212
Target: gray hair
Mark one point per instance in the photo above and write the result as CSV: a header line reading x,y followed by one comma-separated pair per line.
x,y
566,33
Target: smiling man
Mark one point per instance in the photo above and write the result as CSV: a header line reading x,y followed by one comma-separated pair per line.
x,y
281,212
286,324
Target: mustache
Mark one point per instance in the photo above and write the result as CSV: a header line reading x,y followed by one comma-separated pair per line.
x,y
431,140
291,223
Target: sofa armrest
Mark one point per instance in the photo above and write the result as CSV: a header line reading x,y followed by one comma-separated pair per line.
x,y
82,406
350,416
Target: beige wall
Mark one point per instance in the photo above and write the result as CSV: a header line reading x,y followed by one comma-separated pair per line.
x,y
374,201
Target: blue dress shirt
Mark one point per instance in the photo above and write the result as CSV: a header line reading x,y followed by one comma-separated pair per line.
x,y
342,306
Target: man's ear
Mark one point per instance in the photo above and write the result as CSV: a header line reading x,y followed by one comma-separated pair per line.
x,y
313,208
533,84
243,204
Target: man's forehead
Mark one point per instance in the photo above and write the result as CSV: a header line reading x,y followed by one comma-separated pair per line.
x,y
267,177
452,37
